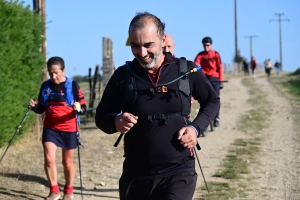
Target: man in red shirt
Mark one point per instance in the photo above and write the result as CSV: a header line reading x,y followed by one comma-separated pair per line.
x,y
211,65
253,66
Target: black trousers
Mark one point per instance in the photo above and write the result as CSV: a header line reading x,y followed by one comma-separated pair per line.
x,y
177,187
215,82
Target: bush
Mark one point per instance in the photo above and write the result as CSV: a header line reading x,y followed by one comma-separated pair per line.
x,y
21,65
238,58
297,72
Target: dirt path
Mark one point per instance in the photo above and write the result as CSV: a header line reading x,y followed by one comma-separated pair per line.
x,y
215,146
277,177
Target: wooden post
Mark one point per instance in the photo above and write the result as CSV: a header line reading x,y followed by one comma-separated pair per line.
x,y
90,92
39,6
108,66
94,88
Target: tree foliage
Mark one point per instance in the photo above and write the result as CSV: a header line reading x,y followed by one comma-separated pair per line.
x,y
238,58
297,72
21,64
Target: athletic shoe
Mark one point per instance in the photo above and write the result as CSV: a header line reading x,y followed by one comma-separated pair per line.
x,y
53,196
68,196
216,122
205,133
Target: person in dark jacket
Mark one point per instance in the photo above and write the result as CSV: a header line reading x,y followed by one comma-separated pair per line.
x,y
246,67
277,67
144,101
59,99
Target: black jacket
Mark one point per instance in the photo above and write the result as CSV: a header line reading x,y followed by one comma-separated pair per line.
x,y
151,147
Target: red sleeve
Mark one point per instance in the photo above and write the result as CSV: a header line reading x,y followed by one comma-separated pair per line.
x,y
79,97
219,66
197,60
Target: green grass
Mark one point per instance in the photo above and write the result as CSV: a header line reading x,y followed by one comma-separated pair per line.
x,y
253,121
289,86
293,85
219,191
234,165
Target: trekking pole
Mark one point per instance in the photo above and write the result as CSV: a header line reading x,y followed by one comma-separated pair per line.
x,y
79,144
16,133
118,140
201,169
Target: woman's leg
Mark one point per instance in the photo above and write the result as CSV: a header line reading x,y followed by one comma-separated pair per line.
x,y
69,168
50,162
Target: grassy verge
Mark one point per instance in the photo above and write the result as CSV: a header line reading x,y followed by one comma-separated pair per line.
x,y
289,86
242,152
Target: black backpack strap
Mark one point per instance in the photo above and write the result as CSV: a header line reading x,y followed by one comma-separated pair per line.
x,y
130,88
184,86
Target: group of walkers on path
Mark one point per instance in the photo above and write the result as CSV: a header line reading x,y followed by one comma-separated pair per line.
x,y
148,100
267,65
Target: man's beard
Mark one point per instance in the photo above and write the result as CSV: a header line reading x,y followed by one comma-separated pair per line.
x,y
153,62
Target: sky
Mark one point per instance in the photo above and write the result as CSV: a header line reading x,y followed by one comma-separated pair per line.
x,y
75,29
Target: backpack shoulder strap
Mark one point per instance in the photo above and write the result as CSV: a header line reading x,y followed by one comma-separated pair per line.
x,y
184,86
130,90
69,95
45,92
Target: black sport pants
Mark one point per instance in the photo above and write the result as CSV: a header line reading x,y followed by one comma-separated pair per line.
x,y
215,82
177,187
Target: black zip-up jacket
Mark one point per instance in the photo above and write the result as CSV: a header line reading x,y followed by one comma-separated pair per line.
x,y
151,148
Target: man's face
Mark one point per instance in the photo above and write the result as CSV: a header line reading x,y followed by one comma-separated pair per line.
x,y
56,74
169,45
207,46
146,46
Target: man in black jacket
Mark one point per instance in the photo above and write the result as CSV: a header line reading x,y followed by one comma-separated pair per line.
x,y
147,101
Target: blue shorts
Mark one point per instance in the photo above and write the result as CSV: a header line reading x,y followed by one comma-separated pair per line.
x,y
65,140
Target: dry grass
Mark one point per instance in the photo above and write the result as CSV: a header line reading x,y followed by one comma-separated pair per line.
x,y
22,172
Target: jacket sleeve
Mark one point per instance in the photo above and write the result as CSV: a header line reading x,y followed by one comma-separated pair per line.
x,y
39,108
79,97
219,66
203,92
111,102
197,60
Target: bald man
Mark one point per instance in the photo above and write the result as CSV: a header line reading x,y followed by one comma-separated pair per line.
x,y
169,44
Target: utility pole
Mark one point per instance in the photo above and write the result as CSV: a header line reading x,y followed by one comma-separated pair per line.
x,y
45,77
235,28
251,36
280,42
39,6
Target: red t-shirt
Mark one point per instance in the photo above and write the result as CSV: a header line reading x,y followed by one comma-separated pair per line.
x,y
58,115
253,64
210,63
